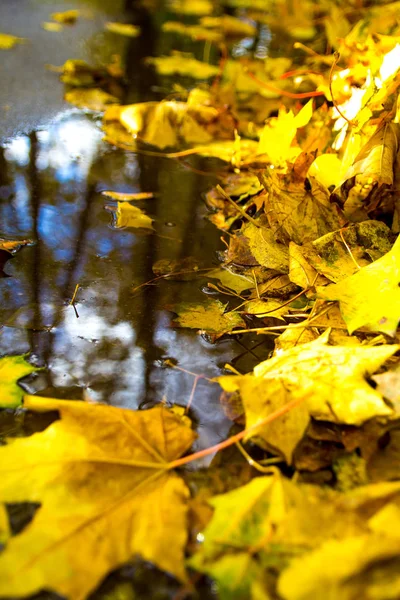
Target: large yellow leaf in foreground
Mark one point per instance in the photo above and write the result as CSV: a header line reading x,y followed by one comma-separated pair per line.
x,y
106,495
371,297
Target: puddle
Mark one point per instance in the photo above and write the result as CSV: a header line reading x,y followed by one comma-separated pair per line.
x,y
112,347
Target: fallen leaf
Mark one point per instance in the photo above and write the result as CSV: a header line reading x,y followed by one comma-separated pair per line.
x,y
195,7
170,123
292,199
4,525
97,472
196,32
183,64
184,269
358,567
234,281
8,41
229,25
374,165
389,386
67,17
92,99
266,250
342,253
125,215
329,380
13,368
278,134
210,317
301,272
54,27
266,308
127,196
371,297
125,29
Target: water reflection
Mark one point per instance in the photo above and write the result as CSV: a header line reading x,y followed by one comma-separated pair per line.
x,y
111,348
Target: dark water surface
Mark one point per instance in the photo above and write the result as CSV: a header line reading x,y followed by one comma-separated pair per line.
x,y
53,166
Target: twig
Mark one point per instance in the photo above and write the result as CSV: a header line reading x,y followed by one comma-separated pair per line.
x,y
238,208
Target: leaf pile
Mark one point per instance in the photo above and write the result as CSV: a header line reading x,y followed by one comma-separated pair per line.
x,y
308,199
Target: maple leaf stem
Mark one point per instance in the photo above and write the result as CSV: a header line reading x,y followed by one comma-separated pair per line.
x,y
336,59
234,438
277,90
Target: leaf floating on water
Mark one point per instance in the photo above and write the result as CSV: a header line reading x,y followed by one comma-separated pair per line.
x,y
183,64
230,26
196,32
8,41
127,196
97,472
92,99
210,317
67,17
169,123
184,269
13,368
233,281
125,215
125,29
194,7
49,26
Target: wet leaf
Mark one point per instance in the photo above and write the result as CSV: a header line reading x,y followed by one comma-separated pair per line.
x,y
266,250
230,26
371,297
49,26
170,123
4,525
355,570
277,135
290,201
183,64
127,196
92,99
210,317
125,29
233,281
196,32
195,7
185,269
330,380
97,472
67,17
266,308
13,368
8,41
389,386
125,215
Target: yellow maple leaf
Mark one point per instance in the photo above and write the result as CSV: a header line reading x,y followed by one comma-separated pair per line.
x,y
105,492
329,380
126,215
371,297
277,135
13,368
210,317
